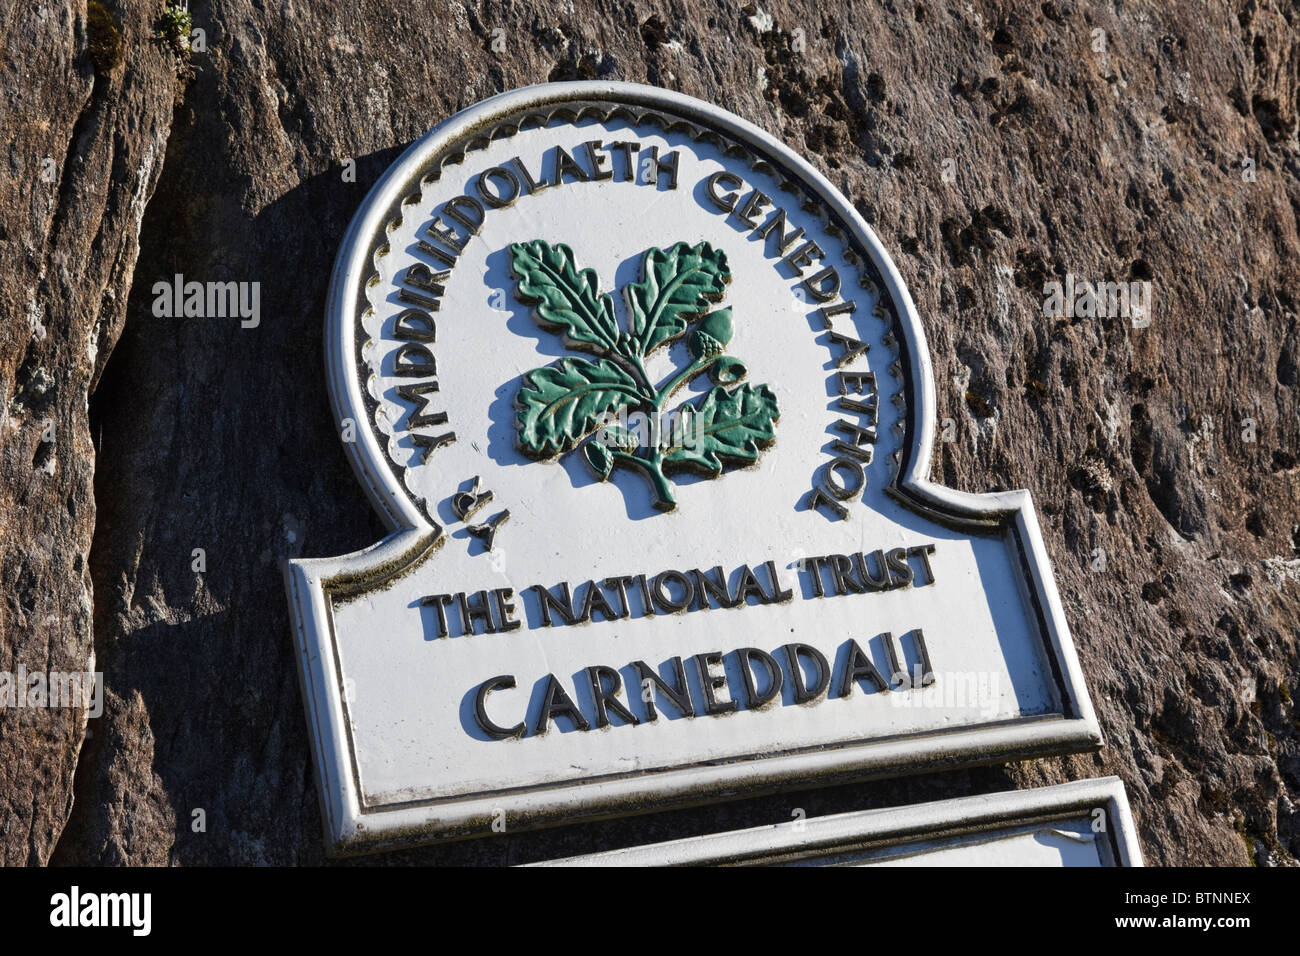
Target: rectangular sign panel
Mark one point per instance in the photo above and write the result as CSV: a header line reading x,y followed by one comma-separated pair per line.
x,y
1074,824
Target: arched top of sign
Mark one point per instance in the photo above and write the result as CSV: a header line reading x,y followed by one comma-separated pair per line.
x,y
450,145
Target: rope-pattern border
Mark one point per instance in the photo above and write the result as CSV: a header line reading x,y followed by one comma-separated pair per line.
x,y
571,114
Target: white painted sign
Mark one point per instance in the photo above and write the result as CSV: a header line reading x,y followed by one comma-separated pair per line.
x,y
650,413
1083,824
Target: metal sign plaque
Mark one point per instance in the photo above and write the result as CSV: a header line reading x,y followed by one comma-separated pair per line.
x,y
1082,824
649,412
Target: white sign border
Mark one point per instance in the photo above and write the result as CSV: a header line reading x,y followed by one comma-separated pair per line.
x,y
313,583
841,833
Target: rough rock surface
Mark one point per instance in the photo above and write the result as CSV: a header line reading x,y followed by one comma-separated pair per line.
x,y
993,147
84,153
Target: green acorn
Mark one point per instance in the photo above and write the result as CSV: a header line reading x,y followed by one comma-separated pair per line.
x,y
728,371
712,335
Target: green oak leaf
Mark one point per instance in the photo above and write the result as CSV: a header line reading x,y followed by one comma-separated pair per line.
x,y
599,451
560,403
600,458
617,438
677,284
565,298
727,426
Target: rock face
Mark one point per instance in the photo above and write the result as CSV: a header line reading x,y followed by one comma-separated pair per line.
x,y
87,135
993,147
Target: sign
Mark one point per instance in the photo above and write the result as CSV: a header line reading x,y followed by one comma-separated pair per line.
x,y
649,412
1083,824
